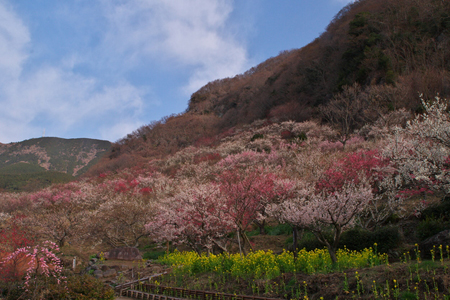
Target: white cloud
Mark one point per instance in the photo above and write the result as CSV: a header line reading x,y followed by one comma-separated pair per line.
x,y
14,38
190,36
55,96
180,33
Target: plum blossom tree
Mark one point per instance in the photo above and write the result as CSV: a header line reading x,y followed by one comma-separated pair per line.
x,y
247,193
196,216
57,213
119,220
377,171
321,211
421,151
12,237
39,261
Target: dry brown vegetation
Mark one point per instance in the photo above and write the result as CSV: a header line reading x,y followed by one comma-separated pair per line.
x,y
390,49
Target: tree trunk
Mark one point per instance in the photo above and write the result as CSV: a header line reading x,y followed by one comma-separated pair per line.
x,y
295,241
245,237
332,252
261,225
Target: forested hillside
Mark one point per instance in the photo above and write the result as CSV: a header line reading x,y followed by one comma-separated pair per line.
x,y
387,51
71,156
37,163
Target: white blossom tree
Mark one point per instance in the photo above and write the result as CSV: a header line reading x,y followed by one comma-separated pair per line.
x,y
421,151
323,211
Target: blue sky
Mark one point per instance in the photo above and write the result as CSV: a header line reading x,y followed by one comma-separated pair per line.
x,y
103,68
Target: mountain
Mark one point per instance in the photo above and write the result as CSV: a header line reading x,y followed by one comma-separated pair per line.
x,y
70,156
378,53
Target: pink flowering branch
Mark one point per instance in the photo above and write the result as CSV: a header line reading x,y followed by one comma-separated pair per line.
x,y
39,260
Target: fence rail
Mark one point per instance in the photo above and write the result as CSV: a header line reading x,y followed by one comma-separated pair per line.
x,y
138,289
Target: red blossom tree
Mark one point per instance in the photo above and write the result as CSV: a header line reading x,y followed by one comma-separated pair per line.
x,y
247,193
361,165
12,237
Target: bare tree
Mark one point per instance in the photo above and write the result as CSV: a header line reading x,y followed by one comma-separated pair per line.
x,y
347,111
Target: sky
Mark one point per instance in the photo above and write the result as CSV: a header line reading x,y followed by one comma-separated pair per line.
x,y
103,68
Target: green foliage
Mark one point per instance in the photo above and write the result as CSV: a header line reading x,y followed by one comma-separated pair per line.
x,y
431,226
406,295
356,25
309,242
21,168
257,136
32,181
390,79
302,136
253,232
280,229
11,291
441,210
357,239
434,219
153,254
80,288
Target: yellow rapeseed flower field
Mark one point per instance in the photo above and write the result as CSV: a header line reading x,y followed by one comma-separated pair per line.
x,y
268,265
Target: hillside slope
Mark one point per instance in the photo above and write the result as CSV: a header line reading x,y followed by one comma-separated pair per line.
x,y
70,156
388,51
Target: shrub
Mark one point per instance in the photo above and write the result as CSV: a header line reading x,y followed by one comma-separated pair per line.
x,y
281,229
286,134
309,242
257,136
431,226
81,287
441,210
386,238
357,239
153,254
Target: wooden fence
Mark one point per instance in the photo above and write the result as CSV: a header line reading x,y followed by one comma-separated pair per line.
x,y
139,289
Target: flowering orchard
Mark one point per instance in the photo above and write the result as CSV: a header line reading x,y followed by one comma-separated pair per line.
x,y
208,196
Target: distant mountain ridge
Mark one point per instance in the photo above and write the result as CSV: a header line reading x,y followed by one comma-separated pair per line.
x,y
71,156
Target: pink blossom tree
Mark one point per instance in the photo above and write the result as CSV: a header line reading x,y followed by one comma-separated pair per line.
x,y
365,166
12,237
38,261
196,216
57,213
